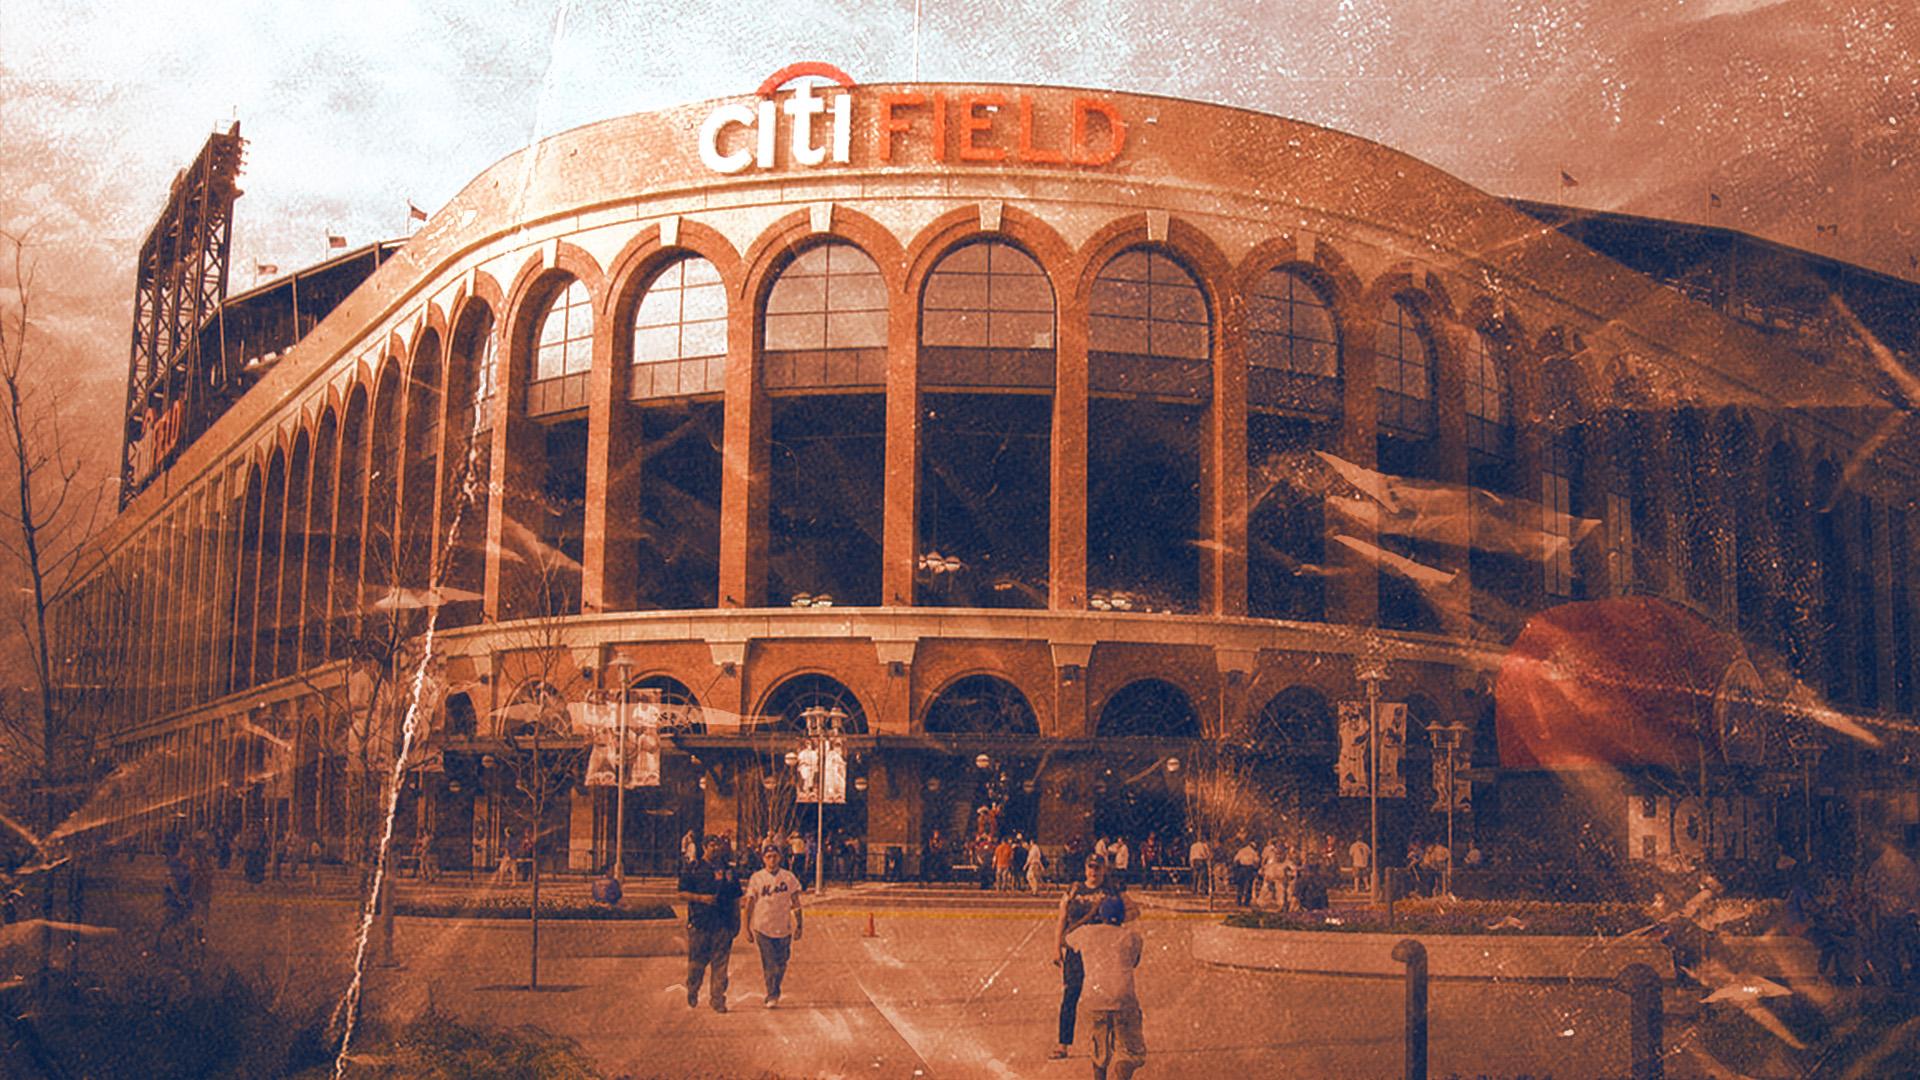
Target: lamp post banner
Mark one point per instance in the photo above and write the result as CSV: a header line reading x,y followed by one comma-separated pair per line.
x,y
806,770
1354,731
1352,766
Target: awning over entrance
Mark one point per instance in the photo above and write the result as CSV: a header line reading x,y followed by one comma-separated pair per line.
x,y
1632,681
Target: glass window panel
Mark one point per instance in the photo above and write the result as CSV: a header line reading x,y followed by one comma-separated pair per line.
x,y
697,272
704,302
656,343
1010,260
1179,304
1127,266
950,291
1108,333
1120,298
796,332
1162,270
795,292
847,259
553,327
953,328
659,307
973,258
704,338
856,329
810,261
1180,340
859,292
1022,330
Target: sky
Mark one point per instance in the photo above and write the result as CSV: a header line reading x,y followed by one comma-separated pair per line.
x,y
1796,112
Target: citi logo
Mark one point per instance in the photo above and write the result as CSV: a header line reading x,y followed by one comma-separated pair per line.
x,y
763,122
932,125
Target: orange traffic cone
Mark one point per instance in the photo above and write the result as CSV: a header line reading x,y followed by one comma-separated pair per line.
x,y
870,930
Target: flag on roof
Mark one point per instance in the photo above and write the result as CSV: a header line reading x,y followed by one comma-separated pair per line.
x,y
414,212
1567,180
334,241
265,268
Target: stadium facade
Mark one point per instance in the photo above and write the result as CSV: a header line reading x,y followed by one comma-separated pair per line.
x,y
1085,450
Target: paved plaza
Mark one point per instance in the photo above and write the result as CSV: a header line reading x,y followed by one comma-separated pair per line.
x,y
950,986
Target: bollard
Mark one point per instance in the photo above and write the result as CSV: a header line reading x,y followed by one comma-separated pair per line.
x,y
1642,986
1414,955
870,930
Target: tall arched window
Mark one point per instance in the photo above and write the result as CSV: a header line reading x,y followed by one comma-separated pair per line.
x,y
826,329
680,332
986,362
1489,414
1148,330
986,319
1293,346
1403,371
1149,367
563,353
826,321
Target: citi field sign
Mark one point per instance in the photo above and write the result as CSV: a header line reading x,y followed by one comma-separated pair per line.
x,y
818,124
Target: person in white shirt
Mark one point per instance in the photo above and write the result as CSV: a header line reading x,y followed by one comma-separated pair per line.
x,y
1110,951
1122,858
1036,861
1200,864
1362,858
1268,886
773,918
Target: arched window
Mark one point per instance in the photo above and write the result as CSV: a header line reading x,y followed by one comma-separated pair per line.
x,y
1148,329
987,359
1489,415
680,332
986,319
981,705
1293,346
1149,708
563,353
787,705
1403,371
826,321
679,709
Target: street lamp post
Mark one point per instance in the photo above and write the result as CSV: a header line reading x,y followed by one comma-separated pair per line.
x,y
620,668
1371,669
820,721
1448,737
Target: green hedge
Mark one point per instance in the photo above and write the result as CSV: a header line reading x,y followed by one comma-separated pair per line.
x,y
517,908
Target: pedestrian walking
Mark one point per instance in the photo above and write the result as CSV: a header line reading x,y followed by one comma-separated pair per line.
x,y
1110,951
1246,864
1036,862
1003,865
1200,865
773,919
1267,887
1362,858
689,849
1077,907
1122,858
711,891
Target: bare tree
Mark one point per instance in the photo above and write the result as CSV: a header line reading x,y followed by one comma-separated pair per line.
x,y
51,514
